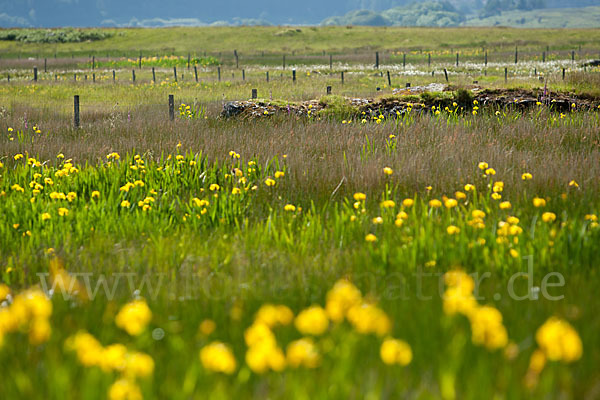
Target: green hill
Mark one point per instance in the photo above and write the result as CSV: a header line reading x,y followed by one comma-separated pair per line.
x,y
587,17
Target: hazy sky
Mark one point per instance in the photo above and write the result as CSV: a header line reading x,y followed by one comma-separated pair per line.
x,y
196,12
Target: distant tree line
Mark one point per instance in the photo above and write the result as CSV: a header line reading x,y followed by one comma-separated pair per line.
x,y
495,7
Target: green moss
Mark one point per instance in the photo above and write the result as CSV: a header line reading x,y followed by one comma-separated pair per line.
x,y
337,107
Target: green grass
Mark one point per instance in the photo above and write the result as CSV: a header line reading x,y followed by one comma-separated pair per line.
x,y
194,261
311,42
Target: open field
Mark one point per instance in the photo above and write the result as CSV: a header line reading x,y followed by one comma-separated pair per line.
x,y
447,253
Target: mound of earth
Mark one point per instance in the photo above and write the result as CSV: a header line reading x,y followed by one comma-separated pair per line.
x,y
419,99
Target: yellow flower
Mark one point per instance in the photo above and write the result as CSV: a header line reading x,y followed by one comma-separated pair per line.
x,y
18,156
236,190
133,317
478,214
460,196
218,357
367,318
514,253
279,174
341,298
490,171
95,194
370,238
377,220
559,341
388,204
496,196
435,203
63,211
394,351
269,182
125,204
453,230
138,365
312,321
512,220
289,207
402,215
539,202
450,203
303,352
17,188
548,217
573,184
591,217
45,216
388,171
124,389
4,291
505,205
126,187
207,327
359,196
487,328
483,165
408,202
527,176
273,315
214,187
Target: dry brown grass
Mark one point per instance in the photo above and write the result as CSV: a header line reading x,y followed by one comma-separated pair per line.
x,y
322,154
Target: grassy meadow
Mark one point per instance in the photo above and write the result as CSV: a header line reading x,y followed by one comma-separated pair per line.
x,y
449,254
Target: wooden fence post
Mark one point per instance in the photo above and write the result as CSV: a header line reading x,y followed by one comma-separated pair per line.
x,y
389,79
377,60
153,75
267,76
196,72
330,61
446,74
175,73
171,107
133,75
45,65
76,110
254,94
219,73
114,76
342,77
328,90
294,75
35,74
